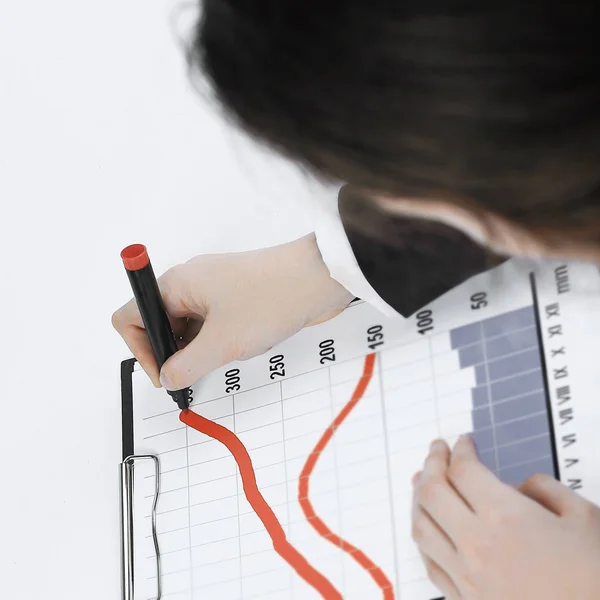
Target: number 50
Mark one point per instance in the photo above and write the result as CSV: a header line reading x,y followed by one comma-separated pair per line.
x,y
479,300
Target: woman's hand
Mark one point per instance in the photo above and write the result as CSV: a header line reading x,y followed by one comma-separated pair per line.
x,y
228,307
483,540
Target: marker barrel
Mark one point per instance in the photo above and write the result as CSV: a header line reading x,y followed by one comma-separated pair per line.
x,y
154,315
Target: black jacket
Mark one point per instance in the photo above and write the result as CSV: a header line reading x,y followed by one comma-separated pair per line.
x,y
409,262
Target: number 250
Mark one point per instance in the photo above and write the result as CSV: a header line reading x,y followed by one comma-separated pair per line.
x,y
276,366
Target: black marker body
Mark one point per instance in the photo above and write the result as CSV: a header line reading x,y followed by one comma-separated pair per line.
x,y
158,328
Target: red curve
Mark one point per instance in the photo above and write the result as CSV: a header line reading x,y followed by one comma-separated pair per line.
x,y
259,505
316,522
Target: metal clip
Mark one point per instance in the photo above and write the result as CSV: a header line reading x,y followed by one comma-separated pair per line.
x,y
127,527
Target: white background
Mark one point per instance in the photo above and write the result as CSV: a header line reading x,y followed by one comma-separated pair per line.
x,y
102,143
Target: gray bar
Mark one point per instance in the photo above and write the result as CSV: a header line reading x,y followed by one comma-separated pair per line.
x,y
529,449
510,343
517,319
514,364
482,418
516,386
484,439
480,374
470,355
480,396
517,475
514,431
509,410
488,458
465,335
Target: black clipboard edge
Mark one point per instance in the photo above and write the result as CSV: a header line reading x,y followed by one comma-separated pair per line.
x,y
127,367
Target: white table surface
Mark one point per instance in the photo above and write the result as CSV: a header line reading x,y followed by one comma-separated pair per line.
x,y
102,143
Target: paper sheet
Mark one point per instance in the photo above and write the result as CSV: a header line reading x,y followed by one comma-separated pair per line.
x,y
509,356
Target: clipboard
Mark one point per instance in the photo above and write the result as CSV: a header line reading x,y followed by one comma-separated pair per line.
x,y
126,487
525,313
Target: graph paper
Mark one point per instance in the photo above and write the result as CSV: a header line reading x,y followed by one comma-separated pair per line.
x,y
506,357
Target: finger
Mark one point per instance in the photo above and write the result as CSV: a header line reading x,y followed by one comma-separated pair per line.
x,y
129,314
433,542
416,477
128,322
173,286
551,494
138,343
439,499
475,482
212,348
436,462
442,581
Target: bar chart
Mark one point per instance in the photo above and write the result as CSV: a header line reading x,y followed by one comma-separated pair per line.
x,y
511,422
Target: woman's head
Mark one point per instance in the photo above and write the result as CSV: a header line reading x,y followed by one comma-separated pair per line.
x,y
484,115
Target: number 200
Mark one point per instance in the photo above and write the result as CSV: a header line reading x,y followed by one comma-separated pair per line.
x,y
326,352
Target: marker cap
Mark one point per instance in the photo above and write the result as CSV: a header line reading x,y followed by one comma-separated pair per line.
x,y
135,257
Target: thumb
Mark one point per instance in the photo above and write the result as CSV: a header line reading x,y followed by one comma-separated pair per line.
x,y
210,349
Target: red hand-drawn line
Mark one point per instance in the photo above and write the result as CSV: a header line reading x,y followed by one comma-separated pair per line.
x,y
316,522
260,506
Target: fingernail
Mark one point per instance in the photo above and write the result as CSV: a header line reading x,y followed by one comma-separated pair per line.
x,y
416,477
436,445
465,438
460,441
468,443
166,382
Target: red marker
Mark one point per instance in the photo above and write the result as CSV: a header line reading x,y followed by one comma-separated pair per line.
x,y
151,306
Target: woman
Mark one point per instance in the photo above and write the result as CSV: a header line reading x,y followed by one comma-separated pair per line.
x,y
466,132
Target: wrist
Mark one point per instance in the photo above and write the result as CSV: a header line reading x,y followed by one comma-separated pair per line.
x,y
329,295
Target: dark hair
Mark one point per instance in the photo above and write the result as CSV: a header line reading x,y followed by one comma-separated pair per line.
x,y
492,103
